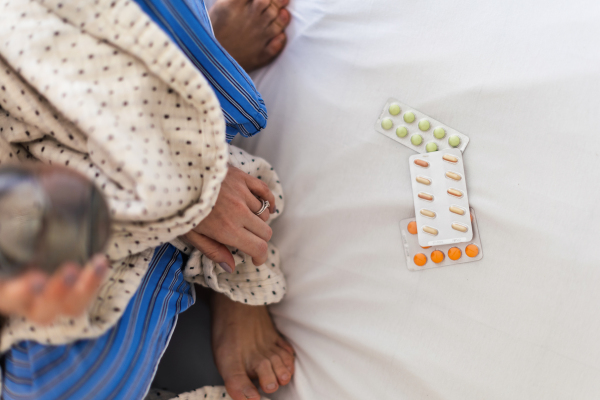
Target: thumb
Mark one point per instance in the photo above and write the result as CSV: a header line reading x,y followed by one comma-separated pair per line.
x,y
212,249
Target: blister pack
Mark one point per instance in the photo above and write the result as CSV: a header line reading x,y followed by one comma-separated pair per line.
x,y
416,130
419,258
440,197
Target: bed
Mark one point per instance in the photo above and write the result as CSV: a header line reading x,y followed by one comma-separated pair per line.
x,y
522,80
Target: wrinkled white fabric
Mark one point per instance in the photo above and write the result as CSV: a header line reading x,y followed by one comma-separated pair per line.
x,y
521,79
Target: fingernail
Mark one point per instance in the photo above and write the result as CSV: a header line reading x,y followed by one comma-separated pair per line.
x,y
38,285
226,267
69,278
271,386
99,264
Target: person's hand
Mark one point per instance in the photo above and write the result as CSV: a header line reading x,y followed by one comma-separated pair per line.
x,y
232,221
41,299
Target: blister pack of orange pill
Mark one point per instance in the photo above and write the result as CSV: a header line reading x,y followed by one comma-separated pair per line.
x,y
419,258
440,198
415,130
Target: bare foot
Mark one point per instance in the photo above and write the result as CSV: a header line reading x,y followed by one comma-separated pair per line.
x,y
251,30
246,346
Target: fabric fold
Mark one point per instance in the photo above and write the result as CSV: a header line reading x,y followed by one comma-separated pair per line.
x,y
249,284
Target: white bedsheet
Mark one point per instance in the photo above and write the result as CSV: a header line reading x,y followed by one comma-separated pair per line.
x,y
522,79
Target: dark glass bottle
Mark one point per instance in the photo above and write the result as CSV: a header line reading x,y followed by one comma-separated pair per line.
x,y
48,215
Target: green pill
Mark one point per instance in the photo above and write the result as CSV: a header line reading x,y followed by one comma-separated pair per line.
x,y
439,132
424,125
453,140
416,139
387,124
395,109
401,131
409,117
431,146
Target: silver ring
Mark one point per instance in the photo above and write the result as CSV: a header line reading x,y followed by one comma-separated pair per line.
x,y
265,205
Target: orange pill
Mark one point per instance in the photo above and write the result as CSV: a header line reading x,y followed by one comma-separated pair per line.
x,y
421,163
420,259
459,227
437,256
458,210
471,250
453,175
426,247
455,192
430,230
412,227
454,253
450,158
425,196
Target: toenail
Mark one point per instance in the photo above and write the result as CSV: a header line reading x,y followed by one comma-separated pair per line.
x,y
250,393
285,377
271,386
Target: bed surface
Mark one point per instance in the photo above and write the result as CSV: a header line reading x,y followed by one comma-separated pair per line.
x,y
522,80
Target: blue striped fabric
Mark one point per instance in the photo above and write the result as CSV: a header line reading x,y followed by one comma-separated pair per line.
x,y
119,364
188,24
198,7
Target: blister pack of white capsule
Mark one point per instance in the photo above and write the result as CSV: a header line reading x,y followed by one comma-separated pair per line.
x,y
418,131
440,197
419,258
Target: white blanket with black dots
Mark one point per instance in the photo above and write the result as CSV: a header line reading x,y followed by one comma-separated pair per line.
x,y
142,123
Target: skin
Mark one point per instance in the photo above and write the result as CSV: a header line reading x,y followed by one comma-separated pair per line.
x,y
252,31
233,222
247,346
42,298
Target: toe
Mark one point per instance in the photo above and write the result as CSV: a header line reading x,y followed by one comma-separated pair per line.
x,y
278,25
283,18
276,44
260,5
240,387
232,369
281,371
270,14
287,358
266,376
284,344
